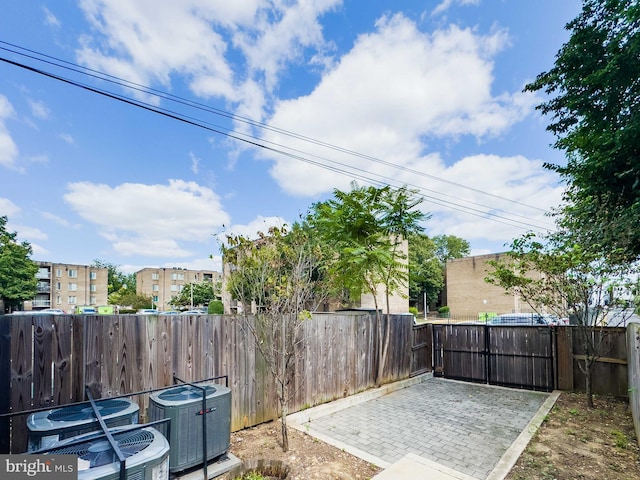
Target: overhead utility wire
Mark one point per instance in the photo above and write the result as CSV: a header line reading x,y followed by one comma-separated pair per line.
x,y
181,100
175,116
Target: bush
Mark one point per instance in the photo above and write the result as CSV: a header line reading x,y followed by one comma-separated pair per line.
x,y
414,311
215,308
444,311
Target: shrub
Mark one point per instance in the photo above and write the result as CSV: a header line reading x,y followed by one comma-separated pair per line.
x,y
215,308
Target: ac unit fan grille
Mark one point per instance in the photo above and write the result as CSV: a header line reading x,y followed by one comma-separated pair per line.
x,y
185,393
85,412
99,452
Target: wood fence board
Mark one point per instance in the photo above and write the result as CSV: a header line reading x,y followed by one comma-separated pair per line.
x,y
42,361
21,378
111,365
564,358
62,360
93,359
5,383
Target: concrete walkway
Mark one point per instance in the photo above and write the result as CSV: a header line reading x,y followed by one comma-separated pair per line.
x,y
431,427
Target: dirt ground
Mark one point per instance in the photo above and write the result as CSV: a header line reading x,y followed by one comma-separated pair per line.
x,y
573,443
307,458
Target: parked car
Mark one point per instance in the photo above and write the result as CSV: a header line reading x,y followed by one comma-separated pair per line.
x,y
170,312
524,319
148,311
192,312
49,311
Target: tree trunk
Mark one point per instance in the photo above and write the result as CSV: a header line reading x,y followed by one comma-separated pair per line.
x,y
588,384
285,432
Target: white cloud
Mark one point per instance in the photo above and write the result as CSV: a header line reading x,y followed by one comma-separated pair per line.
x,y
195,163
8,148
57,219
50,19
65,137
210,263
224,49
251,230
151,220
447,4
39,109
8,208
393,92
531,191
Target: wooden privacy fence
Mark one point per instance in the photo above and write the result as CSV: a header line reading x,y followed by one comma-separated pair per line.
x,y
48,361
539,358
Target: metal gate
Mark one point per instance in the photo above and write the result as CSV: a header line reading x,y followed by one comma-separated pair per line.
x,y
513,356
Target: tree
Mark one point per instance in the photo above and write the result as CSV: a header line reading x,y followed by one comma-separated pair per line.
x,y
594,98
558,275
428,260
426,276
279,275
366,228
449,247
117,281
17,270
129,298
197,293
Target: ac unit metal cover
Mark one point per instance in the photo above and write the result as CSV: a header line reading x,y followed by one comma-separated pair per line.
x,y
146,453
48,427
183,405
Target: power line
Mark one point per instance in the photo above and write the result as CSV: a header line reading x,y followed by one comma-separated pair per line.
x,y
261,143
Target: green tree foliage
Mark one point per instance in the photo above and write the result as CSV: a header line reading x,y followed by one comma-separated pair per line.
x,y
197,294
594,99
215,308
427,261
277,274
556,275
116,279
17,270
127,298
365,228
426,274
449,247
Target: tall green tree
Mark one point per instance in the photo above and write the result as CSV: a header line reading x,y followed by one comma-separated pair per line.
x,y
366,228
119,284
197,294
17,270
449,247
557,275
593,102
426,276
279,274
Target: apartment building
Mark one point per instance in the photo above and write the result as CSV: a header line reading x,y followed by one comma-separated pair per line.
x,y
68,286
162,284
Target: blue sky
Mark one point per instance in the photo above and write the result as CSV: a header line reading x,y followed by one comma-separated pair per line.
x,y
423,93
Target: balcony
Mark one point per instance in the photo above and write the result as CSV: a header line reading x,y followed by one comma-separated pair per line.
x,y
41,303
43,273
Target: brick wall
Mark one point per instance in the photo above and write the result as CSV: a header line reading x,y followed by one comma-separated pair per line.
x,y
467,294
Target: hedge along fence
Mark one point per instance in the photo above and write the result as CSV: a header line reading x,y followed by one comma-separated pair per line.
x,y
49,360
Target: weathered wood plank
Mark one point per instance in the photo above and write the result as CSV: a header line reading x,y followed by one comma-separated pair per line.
x,y
62,360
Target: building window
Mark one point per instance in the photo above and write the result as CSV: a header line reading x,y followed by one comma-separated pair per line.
x,y
93,288
181,287
155,298
155,276
73,273
58,286
93,275
59,300
174,288
155,288
73,287
71,300
177,276
58,272
92,300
